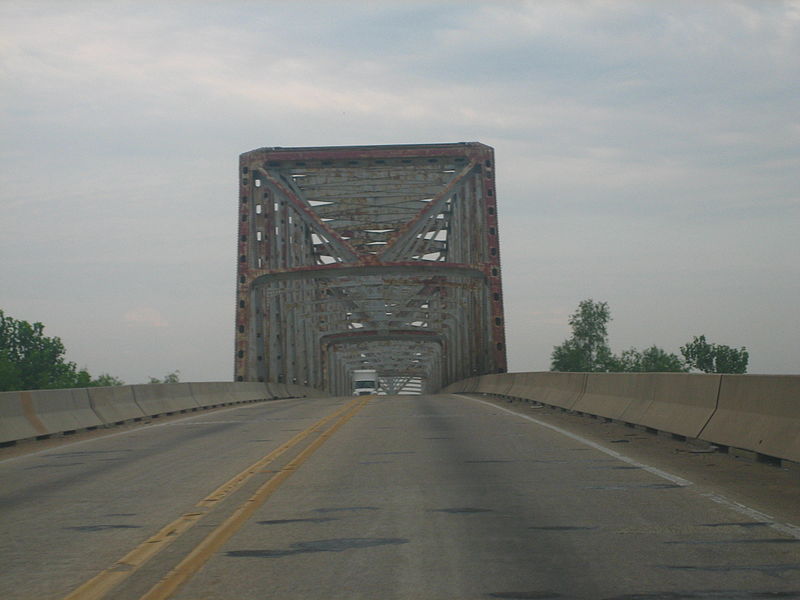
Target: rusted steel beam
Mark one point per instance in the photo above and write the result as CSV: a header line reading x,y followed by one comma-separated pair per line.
x,y
340,153
383,257
391,251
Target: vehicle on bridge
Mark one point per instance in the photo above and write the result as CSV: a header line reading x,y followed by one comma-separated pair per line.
x,y
365,382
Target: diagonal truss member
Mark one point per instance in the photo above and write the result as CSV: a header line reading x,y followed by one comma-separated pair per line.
x,y
369,257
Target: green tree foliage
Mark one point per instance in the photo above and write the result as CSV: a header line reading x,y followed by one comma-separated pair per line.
x,y
714,358
587,349
651,360
29,360
106,380
173,377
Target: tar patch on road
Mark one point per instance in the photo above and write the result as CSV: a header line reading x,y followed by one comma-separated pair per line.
x,y
771,570
54,465
563,528
741,541
638,486
462,510
745,524
101,527
332,545
345,509
708,595
287,521
82,453
526,595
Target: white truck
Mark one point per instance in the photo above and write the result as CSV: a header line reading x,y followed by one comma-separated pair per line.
x,y
365,382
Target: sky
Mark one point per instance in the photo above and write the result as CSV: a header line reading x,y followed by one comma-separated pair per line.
x,y
647,155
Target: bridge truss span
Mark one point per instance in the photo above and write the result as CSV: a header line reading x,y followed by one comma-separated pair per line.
x,y
369,257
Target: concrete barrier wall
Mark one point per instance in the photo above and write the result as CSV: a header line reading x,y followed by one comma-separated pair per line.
x,y
759,413
115,404
17,418
556,389
297,391
613,395
682,403
214,393
495,383
164,398
35,413
62,410
473,384
464,386
249,391
278,390
309,392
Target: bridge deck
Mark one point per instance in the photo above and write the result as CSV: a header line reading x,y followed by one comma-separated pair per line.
x,y
401,497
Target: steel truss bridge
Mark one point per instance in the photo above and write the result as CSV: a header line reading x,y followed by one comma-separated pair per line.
x,y
369,257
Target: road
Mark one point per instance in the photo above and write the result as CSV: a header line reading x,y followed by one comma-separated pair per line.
x,y
382,497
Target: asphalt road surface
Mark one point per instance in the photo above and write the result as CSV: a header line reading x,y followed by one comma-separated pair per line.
x,y
412,497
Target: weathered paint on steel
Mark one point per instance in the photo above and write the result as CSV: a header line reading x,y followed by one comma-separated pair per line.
x,y
380,257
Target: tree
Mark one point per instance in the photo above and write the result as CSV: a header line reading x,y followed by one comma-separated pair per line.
x,y
173,377
29,360
714,358
651,360
587,350
106,380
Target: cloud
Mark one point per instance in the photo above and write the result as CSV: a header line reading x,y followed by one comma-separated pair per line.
x,y
647,154
144,316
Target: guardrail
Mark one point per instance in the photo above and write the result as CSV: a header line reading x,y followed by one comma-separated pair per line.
x,y
757,413
44,413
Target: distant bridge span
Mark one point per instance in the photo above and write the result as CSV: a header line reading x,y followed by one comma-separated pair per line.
x,y
378,257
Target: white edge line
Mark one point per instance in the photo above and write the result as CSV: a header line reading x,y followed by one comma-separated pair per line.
x,y
680,481
784,528
145,427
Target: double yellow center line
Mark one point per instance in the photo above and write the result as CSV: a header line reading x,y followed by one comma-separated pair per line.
x,y
103,583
